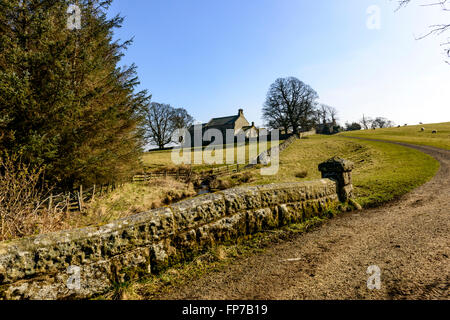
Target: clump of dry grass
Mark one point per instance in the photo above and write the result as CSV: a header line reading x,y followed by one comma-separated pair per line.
x,y
221,184
133,198
245,177
23,211
21,201
302,174
227,182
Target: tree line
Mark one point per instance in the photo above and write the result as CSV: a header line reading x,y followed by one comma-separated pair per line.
x,y
367,123
292,106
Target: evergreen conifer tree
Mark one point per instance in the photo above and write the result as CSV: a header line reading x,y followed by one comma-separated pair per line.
x,y
65,103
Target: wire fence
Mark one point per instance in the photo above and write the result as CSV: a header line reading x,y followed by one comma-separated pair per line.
x,y
186,175
77,199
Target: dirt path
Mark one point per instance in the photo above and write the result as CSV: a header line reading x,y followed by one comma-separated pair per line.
x,y
409,240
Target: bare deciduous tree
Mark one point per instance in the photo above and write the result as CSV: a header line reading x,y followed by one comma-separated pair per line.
x,y
182,119
328,114
436,29
290,105
381,122
161,120
333,113
158,124
366,123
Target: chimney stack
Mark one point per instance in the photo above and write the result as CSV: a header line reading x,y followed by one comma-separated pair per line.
x,y
241,112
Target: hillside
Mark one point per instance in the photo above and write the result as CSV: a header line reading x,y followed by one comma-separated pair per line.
x,y
382,171
410,134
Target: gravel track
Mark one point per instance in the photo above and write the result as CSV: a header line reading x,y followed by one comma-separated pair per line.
x,y
408,239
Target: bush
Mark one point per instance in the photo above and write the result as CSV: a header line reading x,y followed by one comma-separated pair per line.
x,y
21,200
246,177
353,126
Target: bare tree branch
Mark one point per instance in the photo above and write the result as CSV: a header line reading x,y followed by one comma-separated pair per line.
x,y
290,105
161,120
437,29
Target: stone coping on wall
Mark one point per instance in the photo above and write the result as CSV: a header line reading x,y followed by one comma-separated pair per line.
x,y
36,267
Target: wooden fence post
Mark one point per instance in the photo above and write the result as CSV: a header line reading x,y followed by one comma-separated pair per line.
x,y
68,203
93,194
80,198
50,202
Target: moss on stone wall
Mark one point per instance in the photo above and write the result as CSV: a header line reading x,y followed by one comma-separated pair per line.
x,y
36,268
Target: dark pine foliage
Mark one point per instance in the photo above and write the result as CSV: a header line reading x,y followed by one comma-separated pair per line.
x,y
65,104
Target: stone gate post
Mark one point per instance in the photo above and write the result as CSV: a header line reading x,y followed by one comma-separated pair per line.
x,y
339,170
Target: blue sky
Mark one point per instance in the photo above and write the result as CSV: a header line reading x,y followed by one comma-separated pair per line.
x,y
213,56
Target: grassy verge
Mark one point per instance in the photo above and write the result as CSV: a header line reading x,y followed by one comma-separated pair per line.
x,y
382,171
410,134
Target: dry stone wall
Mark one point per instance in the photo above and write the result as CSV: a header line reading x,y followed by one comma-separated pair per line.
x,y
82,263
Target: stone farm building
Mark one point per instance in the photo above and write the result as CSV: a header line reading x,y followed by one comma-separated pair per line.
x,y
238,123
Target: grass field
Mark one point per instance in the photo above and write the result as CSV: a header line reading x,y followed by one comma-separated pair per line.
x,y
410,134
156,160
382,172
132,198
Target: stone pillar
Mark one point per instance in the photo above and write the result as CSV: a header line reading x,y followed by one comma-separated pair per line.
x,y
339,170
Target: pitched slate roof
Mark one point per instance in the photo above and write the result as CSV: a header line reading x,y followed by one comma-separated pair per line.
x,y
215,122
203,125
